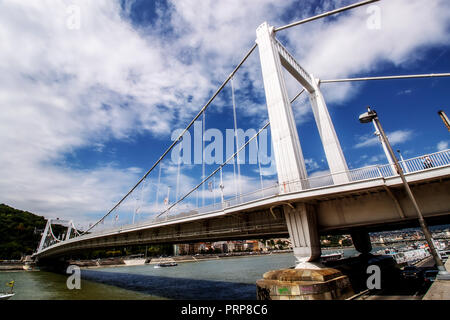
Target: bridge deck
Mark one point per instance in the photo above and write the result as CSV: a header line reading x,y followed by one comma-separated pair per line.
x,y
365,180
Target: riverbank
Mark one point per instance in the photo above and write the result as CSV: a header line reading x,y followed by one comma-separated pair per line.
x,y
18,267
120,261
11,267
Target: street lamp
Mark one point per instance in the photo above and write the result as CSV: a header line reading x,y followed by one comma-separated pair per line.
x,y
371,116
403,161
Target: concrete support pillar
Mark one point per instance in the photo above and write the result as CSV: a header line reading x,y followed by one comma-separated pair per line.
x,y
361,241
286,144
302,225
332,147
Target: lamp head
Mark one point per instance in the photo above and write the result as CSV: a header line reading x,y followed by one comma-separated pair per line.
x,y
367,116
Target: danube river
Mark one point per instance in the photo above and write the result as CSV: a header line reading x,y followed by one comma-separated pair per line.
x,y
228,278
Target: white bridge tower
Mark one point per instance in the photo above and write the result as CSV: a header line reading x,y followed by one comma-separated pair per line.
x,y
292,175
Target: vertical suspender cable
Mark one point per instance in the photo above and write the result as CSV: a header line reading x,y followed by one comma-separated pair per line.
x,y
178,173
135,206
159,183
259,166
214,190
221,185
234,177
140,199
203,157
236,136
136,202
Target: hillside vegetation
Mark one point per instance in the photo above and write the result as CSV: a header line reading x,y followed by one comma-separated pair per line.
x,y
17,232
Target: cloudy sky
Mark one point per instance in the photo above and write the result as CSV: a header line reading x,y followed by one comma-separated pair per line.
x,y
92,91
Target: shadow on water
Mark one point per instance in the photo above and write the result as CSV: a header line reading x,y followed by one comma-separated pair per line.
x,y
174,288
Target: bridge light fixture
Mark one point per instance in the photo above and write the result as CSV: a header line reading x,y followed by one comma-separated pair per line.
x,y
368,116
371,116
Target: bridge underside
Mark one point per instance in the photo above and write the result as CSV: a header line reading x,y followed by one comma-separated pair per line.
x,y
252,225
374,209
385,208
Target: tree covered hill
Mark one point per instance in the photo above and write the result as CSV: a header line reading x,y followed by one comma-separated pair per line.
x,y
18,234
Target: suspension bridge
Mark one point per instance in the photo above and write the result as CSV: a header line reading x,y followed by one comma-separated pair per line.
x,y
225,206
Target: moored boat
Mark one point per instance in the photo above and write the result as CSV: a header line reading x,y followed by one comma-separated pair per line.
x,y
332,256
6,296
165,264
134,262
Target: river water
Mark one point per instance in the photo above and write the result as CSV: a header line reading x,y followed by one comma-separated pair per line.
x,y
227,278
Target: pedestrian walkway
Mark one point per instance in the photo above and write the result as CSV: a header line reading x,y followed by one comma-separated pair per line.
x,y
440,289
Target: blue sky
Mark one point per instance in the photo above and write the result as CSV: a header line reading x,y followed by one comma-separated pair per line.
x,y
88,108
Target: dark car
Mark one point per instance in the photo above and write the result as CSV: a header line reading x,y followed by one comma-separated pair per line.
x,y
410,273
430,275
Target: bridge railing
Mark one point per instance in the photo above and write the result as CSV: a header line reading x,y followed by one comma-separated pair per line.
x,y
421,163
432,160
438,159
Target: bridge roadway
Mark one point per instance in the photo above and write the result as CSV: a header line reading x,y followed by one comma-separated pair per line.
x,y
371,204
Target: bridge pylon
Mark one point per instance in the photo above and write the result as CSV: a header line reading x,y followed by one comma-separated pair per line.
x,y
291,169
49,238
292,175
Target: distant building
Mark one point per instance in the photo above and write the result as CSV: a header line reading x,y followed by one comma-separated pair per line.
x,y
221,245
252,245
236,246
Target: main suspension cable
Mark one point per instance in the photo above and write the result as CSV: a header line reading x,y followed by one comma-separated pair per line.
x,y
180,136
407,76
326,14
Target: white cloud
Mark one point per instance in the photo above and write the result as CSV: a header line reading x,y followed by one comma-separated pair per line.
x,y
442,145
404,92
311,164
395,137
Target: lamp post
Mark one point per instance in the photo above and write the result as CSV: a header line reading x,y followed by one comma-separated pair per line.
x,y
444,119
403,161
371,116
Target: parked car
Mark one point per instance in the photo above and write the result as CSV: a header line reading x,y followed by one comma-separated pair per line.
x,y
430,275
410,273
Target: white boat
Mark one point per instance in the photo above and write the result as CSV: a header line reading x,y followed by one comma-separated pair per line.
x,y
134,262
332,256
27,267
6,296
165,264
